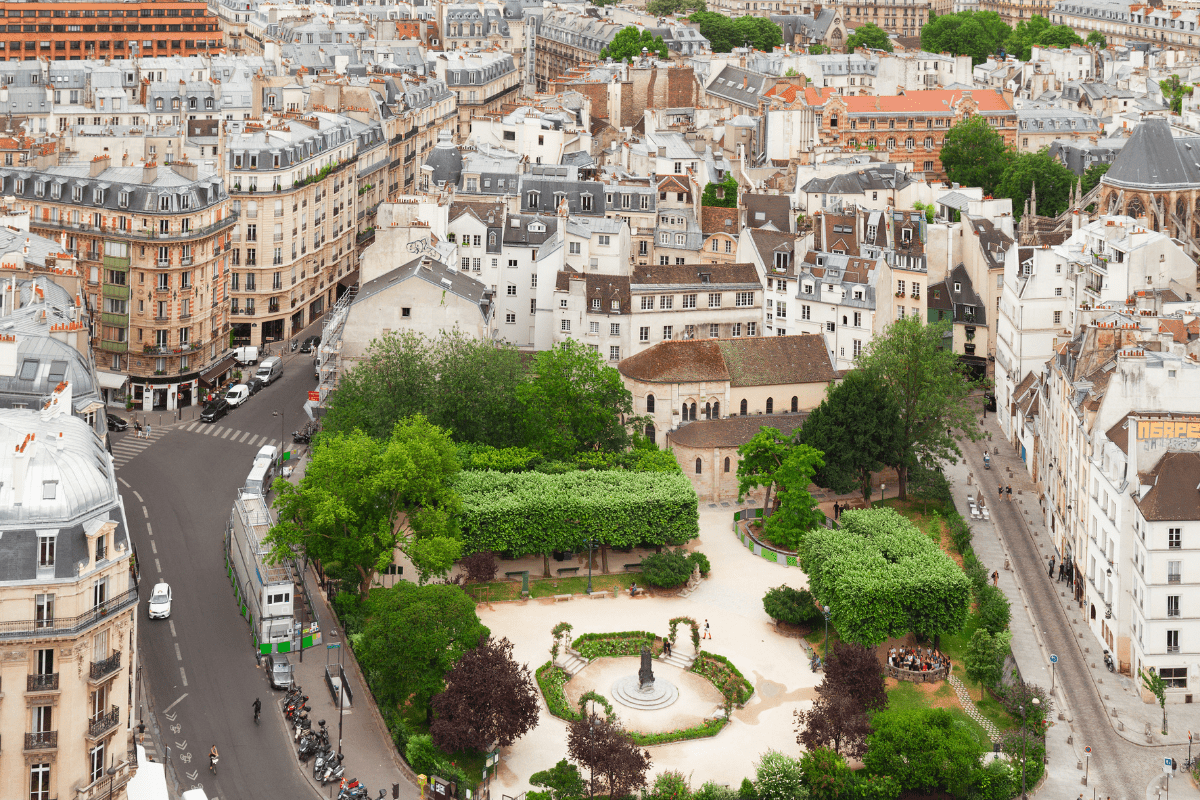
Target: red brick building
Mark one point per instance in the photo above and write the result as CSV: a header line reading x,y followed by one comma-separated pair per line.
x,y
70,31
913,125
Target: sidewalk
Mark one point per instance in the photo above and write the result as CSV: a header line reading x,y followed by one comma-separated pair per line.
x,y
370,755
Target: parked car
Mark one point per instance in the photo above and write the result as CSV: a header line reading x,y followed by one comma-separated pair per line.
x,y
310,344
254,384
237,395
160,601
214,411
246,355
279,669
116,423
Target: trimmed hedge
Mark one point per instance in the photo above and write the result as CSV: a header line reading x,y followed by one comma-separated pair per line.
x,y
523,513
716,670
476,457
608,645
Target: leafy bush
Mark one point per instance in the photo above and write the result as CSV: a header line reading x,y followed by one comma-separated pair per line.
x,y
349,610
551,680
698,559
562,780
718,670
793,606
829,777
480,567
997,780
994,610
500,459
960,532
670,785
624,643
1011,743
426,759
666,569
747,791
530,512
481,457
926,750
714,791
976,572
778,777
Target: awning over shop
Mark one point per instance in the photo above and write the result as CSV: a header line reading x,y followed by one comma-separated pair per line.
x,y
111,380
209,377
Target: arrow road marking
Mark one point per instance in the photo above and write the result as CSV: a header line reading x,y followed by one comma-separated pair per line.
x,y
191,776
170,716
182,746
177,702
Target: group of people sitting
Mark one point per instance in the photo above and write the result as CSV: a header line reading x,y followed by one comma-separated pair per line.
x,y
917,659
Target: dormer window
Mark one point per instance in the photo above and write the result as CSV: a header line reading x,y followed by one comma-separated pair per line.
x,y
595,304
532,199
616,305
77,194
123,199
957,286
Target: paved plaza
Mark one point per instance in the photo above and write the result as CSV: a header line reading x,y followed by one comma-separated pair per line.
x,y
731,600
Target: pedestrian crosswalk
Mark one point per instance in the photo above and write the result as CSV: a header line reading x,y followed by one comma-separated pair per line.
x,y
130,444
231,435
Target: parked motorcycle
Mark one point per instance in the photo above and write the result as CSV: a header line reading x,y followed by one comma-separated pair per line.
x,y
1108,661
301,726
334,769
319,764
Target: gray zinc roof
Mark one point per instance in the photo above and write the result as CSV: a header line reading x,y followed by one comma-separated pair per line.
x,y
1154,158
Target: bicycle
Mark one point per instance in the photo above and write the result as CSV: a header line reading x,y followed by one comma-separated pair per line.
x,y
257,709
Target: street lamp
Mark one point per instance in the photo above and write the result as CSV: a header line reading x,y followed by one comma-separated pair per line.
x,y
282,424
827,616
1024,736
111,771
591,542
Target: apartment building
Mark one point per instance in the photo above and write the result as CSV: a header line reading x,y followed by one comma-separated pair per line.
x,y
913,125
903,18
1042,127
71,31
483,82
475,26
294,190
1122,23
150,241
833,295
69,589
565,39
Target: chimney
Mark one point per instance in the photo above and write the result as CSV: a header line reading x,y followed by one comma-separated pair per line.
x,y
185,169
99,164
21,456
150,172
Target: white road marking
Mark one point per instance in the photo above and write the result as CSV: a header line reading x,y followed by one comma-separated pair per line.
x,y
171,622
178,654
149,532
145,512
139,497
177,702
226,435
122,480
157,565
153,547
191,427
244,435
183,675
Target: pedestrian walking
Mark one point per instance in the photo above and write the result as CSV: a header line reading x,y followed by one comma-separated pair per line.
x,y
1051,567
1002,491
667,647
1062,568
1008,491
836,509
996,578
707,631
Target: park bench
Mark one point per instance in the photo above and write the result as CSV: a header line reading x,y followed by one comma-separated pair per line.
x,y
629,567
514,575
565,570
558,597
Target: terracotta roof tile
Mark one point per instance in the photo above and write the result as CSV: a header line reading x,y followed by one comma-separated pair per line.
x,y
733,431
677,361
691,274
777,360
714,219
928,101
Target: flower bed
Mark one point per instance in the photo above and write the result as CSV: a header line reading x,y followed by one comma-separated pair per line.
x,y
609,645
717,670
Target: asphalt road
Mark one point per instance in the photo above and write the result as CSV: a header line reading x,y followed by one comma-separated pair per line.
x,y
199,665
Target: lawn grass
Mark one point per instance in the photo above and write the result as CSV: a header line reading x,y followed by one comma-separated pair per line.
x,y
471,762
495,591
907,697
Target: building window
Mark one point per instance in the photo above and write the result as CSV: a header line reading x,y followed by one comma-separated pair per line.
x,y
698,466
770,405
644,333
1172,605
614,353
714,301
666,332
795,404
727,463
1172,641
742,299
689,301
666,301
564,325
1174,677
649,404
1174,538
39,782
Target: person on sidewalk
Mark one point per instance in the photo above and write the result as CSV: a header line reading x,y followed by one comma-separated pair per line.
x,y
1051,567
707,631
1002,491
996,578
836,510
1061,569
1008,491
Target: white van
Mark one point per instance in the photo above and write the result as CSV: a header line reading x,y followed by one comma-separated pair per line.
x,y
246,355
258,482
270,369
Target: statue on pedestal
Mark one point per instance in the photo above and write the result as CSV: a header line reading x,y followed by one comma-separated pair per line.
x,y
645,674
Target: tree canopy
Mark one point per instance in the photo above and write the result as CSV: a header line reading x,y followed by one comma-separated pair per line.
x,y
975,154
489,699
725,33
362,499
628,43
664,8
1093,174
984,660
856,427
869,35
977,34
1038,31
882,578
1173,91
796,511
603,746
1053,180
729,193
1096,39
759,461
931,389
414,636
925,750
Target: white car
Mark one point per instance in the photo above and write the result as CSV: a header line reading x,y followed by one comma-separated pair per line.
x,y
237,395
160,601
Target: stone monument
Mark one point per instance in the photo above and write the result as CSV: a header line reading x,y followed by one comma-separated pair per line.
x,y
645,673
643,691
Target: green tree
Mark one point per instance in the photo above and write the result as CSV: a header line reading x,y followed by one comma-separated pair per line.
x,y
562,781
977,34
974,154
1025,35
414,637
925,750
1155,685
777,776
1060,36
669,785
928,208
931,389
1052,179
857,428
796,511
1173,91
759,461
663,8
1096,39
475,394
817,49
362,499
729,193
984,660
793,606
725,33
869,35
1093,174
758,32
394,381
628,43
575,402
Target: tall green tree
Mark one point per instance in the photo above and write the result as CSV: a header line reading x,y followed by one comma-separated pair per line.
x,y
796,511
984,660
725,33
926,750
857,428
931,389
869,35
1153,683
575,402
1096,39
1052,179
758,32
975,154
1173,91
361,500
628,43
1026,35
977,34
475,394
394,381
415,635
759,462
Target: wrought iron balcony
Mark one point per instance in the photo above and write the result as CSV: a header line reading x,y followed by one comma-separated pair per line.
x,y
102,723
100,669
41,683
43,740
66,626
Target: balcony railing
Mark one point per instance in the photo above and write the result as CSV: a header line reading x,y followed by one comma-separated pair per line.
x,y
1173,648
112,230
66,626
106,667
104,722
1174,578
43,740
41,683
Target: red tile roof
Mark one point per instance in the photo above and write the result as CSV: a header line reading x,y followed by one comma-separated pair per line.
x,y
931,101
818,96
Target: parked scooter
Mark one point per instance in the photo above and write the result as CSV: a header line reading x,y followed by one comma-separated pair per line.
x,y
334,769
301,726
323,756
1108,661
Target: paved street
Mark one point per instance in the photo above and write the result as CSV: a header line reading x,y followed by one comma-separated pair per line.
x,y
198,666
